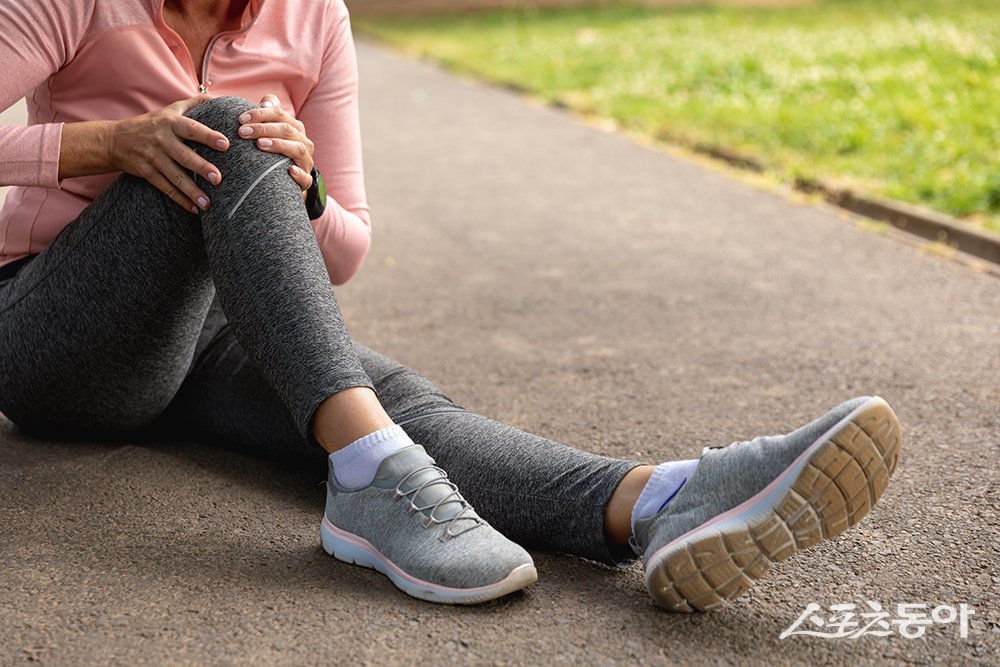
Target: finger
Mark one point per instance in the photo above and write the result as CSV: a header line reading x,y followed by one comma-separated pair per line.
x,y
186,157
270,100
301,178
271,115
293,149
183,106
176,175
164,186
281,130
188,128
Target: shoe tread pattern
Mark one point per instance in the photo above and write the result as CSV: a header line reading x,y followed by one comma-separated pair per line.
x,y
839,485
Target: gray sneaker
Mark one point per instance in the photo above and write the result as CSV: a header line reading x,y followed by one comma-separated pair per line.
x,y
413,526
753,503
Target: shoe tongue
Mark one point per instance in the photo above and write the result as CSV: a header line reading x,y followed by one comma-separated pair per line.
x,y
402,463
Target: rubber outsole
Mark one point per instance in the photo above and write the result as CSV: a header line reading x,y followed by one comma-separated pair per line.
x,y
355,550
829,488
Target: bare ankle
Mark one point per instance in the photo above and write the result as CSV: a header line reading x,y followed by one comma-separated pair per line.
x,y
618,514
346,416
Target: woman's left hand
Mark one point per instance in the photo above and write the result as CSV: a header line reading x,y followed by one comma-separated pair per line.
x,y
277,131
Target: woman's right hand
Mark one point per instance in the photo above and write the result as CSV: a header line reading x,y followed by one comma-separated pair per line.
x,y
152,147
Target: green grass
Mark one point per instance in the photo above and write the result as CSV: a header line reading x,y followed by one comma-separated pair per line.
x,y
899,98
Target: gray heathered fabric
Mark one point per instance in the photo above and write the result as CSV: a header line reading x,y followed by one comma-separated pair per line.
x,y
477,557
727,476
99,330
539,493
112,328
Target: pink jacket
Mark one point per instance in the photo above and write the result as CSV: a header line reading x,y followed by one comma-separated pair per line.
x,y
79,60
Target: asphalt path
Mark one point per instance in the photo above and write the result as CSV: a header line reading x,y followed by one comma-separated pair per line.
x,y
575,283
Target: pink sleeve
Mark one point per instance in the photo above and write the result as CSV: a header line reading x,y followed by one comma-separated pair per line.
x,y
330,115
37,38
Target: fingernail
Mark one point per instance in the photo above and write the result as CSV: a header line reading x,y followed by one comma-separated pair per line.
x,y
246,118
264,143
267,103
221,143
194,209
246,131
214,177
202,202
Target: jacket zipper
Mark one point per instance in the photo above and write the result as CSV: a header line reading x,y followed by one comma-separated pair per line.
x,y
204,83
204,64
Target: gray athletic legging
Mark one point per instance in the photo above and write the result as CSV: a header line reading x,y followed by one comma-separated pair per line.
x,y
140,317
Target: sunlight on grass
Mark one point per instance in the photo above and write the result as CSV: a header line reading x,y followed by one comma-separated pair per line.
x,y
899,98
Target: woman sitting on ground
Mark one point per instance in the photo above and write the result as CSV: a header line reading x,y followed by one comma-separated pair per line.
x,y
170,262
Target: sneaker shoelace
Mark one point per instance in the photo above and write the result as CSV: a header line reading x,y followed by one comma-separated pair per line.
x,y
465,513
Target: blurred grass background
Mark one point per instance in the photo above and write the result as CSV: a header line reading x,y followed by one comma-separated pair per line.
x,y
894,97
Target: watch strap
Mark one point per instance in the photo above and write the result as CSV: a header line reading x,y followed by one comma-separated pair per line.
x,y
316,195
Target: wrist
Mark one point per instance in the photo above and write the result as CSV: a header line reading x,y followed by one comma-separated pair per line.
x,y
87,148
108,136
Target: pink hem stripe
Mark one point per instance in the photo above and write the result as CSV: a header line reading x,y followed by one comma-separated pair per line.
x,y
366,545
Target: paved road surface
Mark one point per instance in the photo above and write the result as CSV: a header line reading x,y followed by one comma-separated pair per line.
x,y
574,283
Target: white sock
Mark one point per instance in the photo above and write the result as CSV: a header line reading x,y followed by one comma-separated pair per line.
x,y
355,465
666,480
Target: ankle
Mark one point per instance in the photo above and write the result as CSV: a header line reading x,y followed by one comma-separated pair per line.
x,y
347,416
618,513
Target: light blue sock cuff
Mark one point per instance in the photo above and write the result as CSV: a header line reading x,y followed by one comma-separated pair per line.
x,y
666,480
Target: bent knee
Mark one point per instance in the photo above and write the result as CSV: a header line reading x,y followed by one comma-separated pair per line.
x,y
221,114
243,165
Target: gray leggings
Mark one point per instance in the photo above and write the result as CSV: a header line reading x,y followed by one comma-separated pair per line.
x,y
140,317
